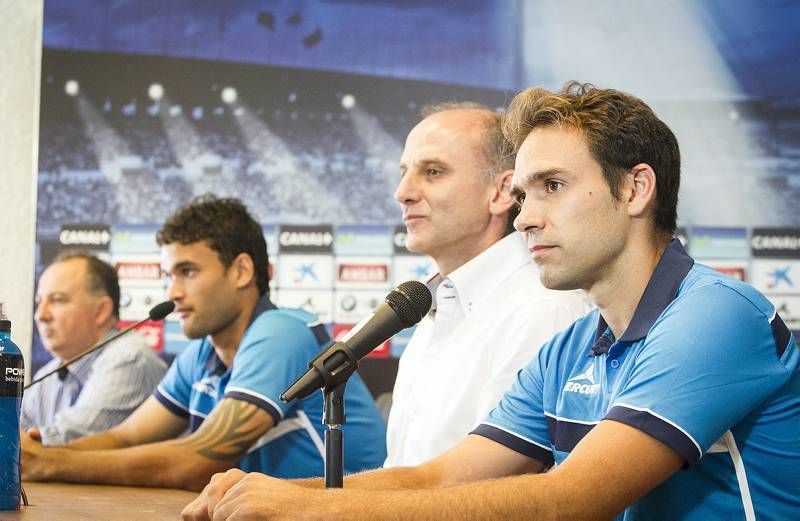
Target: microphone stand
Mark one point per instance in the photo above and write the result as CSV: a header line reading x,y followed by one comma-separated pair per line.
x,y
334,375
333,418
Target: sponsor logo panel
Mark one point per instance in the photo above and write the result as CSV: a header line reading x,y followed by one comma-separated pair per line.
x,y
135,301
776,276
92,237
781,243
152,331
138,272
362,272
363,240
352,306
719,243
127,240
738,269
319,302
305,239
412,267
788,307
305,271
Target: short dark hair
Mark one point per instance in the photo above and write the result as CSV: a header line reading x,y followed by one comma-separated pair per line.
x,y
620,130
498,152
226,226
101,277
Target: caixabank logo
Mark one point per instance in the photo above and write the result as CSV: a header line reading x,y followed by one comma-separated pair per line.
x,y
775,243
776,276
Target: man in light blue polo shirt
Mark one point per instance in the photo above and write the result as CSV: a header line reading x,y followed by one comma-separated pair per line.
x,y
224,387
679,398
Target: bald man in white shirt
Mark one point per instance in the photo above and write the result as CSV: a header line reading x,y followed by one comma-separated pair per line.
x,y
491,313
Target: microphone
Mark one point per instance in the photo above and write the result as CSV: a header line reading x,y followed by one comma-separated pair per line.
x,y
403,307
157,312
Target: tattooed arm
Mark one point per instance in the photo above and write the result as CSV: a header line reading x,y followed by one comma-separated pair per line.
x,y
135,453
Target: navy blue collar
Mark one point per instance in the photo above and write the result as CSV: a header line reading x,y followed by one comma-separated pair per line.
x,y
662,289
214,364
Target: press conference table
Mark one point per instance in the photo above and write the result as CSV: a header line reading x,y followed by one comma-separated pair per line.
x,y
68,502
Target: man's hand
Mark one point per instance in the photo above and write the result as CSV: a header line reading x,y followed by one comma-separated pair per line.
x,y
201,508
37,460
249,497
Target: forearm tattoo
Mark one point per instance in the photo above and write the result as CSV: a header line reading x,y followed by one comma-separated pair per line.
x,y
229,432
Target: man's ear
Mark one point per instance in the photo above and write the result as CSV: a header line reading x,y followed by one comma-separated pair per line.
x,y
640,190
104,309
244,270
501,199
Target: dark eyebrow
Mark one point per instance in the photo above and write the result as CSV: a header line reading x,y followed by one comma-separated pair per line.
x,y
179,266
533,177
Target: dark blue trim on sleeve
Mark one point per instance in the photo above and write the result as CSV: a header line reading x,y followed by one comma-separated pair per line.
x,y
321,334
663,431
249,398
566,434
171,407
781,334
515,443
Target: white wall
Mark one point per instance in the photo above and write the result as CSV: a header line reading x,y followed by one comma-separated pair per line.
x,y
20,66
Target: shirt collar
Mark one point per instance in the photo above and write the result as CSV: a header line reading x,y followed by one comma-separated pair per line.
x,y
661,290
81,368
479,276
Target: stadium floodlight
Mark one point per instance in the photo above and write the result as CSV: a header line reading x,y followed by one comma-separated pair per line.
x,y
71,87
156,91
348,101
229,95
292,97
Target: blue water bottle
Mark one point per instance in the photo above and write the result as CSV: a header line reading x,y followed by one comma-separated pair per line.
x,y
12,378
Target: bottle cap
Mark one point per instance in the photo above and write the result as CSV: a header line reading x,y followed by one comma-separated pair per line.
x,y
5,323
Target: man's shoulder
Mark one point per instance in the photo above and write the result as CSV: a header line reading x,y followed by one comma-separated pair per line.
x,y
290,318
131,347
704,288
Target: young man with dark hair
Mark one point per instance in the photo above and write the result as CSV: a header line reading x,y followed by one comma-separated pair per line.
x,y
77,306
225,386
679,398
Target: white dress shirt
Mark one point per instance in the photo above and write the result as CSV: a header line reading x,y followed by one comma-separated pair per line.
x,y
491,316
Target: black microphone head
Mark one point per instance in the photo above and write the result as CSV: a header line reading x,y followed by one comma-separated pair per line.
x,y
411,300
160,311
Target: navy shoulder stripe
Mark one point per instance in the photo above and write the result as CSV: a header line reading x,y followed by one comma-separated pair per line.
x,y
566,434
321,334
660,429
517,444
781,334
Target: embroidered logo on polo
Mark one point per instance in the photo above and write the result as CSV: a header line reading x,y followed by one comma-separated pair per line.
x,y
207,385
583,383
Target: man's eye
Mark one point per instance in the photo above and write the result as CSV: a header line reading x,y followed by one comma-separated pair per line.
x,y
432,172
519,199
553,186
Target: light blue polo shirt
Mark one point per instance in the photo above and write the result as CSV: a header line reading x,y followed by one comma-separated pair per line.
x,y
274,351
706,366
